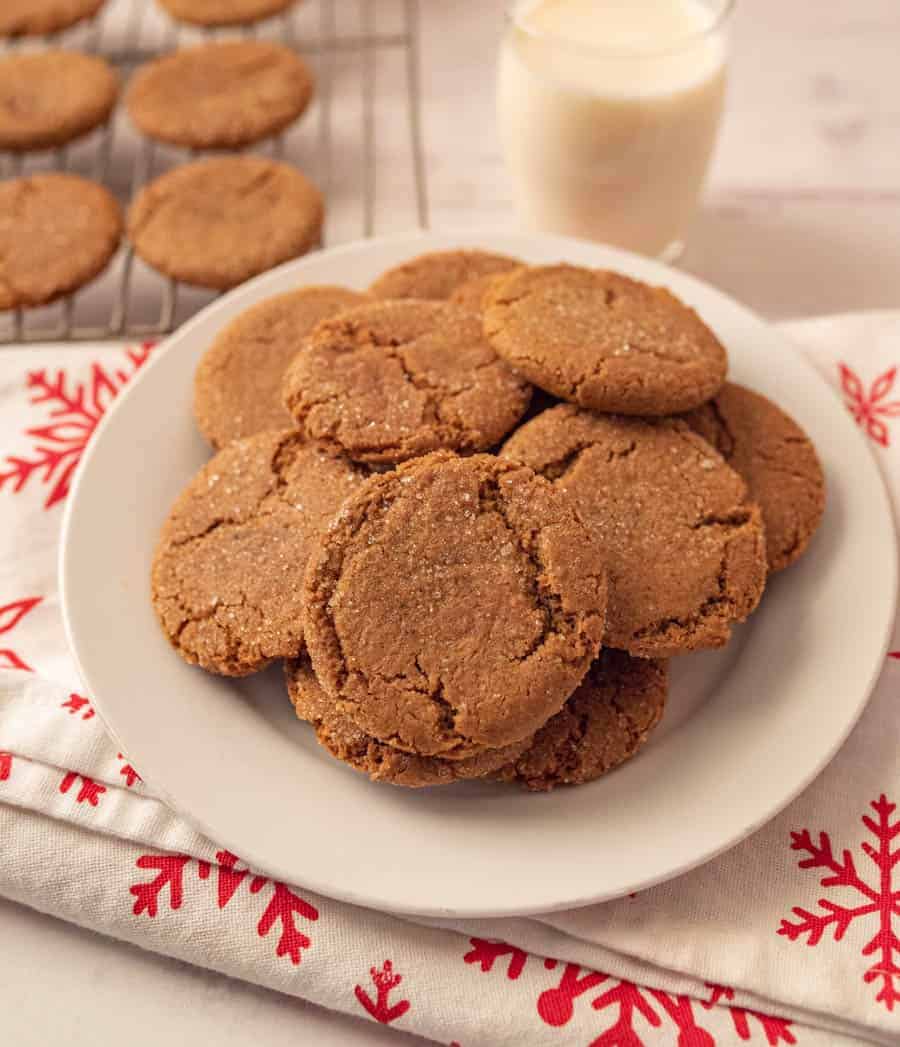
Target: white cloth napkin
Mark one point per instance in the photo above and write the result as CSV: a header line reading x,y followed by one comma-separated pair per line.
x,y
793,937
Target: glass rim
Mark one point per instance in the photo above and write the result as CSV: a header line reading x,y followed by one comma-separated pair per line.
x,y
515,9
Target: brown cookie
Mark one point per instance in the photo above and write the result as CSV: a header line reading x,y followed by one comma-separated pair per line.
x,y
57,232
604,341
438,274
454,605
237,385
216,223
776,459
228,571
220,95
684,549
470,295
224,12
36,17
604,723
50,97
382,763
394,380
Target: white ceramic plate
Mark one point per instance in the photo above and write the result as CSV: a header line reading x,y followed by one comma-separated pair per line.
x,y
747,728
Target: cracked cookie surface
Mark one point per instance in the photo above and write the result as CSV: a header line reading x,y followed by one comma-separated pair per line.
x,y
603,340
393,380
220,95
237,385
224,12
453,605
604,723
57,232
35,17
684,548
777,461
437,274
380,762
215,223
227,578
50,97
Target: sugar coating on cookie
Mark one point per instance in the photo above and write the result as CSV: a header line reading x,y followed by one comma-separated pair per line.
x,y
217,222
48,98
453,605
224,12
684,547
603,340
393,380
237,385
605,722
339,736
57,232
227,579
777,461
437,274
220,95
36,17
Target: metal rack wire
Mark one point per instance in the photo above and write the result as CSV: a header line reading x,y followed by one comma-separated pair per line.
x,y
365,55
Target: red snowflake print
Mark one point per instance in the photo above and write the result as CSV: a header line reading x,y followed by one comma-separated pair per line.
x,y
869,408
73,411
629,1008
282,908
881,901
5,766
89,791
10,616
77,703
128,772
385,981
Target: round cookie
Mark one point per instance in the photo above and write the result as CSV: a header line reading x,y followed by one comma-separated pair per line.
x,y
50,97
228,571
36,17
470,295
217,222
454,605
382,763
604,723
684,549
393,380
438,274
57,232
220,95
237,385
224,12
604,341
777,461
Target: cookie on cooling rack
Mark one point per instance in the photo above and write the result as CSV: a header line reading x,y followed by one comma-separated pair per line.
x,y
224,12
36,17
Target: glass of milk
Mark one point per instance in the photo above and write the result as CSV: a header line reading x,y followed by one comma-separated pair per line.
x,y
608,113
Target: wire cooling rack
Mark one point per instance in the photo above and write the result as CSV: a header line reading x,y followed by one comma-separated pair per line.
x,y
360,142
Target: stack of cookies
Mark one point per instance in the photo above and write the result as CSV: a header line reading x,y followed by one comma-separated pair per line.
x,y
474,510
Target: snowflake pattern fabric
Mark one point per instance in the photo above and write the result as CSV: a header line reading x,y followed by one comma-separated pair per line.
x,y
798,926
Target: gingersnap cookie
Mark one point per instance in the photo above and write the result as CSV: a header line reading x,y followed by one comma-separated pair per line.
x,y
57,232
603,340
437,274
217,222
227,580
604,723
393,380
36,17
453,605
684,548
471,294
220,95
50,97
224,12
339,736
237,385
777,461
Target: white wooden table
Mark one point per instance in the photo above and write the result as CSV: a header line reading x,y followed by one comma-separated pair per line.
x,y
802,216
